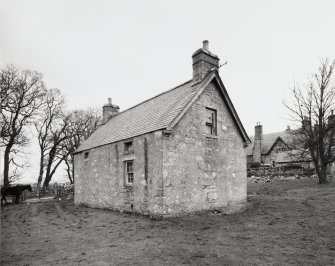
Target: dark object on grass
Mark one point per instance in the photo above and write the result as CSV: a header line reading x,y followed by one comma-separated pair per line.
x,y
13,191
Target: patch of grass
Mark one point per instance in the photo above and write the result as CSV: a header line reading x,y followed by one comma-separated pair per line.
x,y
286,223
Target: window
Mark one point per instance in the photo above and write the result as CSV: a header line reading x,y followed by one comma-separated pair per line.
x,y
129,172
211,121
281,149
85,155
128,147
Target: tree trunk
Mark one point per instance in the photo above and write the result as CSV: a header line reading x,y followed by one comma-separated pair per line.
x,y
50,173
47,176
40,176
323,174
6,167
68,170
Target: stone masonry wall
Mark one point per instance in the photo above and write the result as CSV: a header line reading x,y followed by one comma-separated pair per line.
x,y
100,179
203,172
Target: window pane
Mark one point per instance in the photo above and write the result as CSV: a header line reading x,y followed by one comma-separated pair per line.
x,y
130,178
209,116
128,146
210,121
129,166
209,130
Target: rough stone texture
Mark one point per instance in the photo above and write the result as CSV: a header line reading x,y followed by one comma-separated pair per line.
x,y
185,170
204,172
100,179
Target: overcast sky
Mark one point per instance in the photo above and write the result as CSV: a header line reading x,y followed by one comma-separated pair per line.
x,y
133,50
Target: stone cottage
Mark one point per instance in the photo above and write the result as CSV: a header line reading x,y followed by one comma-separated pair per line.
x,y
273,149
181,151
269,149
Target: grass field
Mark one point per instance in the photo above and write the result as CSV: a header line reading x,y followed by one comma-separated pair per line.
x,y
286,223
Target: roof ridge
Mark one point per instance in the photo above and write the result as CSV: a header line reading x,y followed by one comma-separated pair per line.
x,y
152,98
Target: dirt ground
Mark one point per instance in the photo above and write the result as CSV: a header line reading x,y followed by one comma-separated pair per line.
x,y
286,223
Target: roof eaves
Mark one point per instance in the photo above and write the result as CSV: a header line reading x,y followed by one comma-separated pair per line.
x,y
233,111
108,143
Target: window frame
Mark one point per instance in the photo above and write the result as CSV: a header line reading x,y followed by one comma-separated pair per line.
x,y
127,173
212,125
126,149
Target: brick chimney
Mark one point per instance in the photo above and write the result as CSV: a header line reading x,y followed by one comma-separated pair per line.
x,y
257,151
203,62
109,110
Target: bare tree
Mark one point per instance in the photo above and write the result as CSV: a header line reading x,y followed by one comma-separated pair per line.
x,y
21,96
57,152
83,124
49,116
313,108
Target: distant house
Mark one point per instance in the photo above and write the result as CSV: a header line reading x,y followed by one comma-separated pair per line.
x,y
178,152
272,149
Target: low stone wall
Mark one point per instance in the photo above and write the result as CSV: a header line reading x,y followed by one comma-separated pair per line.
x,y
277,171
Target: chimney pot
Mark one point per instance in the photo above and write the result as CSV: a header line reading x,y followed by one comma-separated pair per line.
x,y
109,101
203,61
205,44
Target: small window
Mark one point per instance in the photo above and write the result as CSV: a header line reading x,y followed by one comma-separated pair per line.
x,y
86,155
129,172
211,121
128,147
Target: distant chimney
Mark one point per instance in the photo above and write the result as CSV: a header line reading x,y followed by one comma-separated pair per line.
x,y
258,130
109,110
205,45
203,62
257,150
288,128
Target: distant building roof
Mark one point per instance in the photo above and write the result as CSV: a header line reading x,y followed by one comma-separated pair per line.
x,y
160,112
268,140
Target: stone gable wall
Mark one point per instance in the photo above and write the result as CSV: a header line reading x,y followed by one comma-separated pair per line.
x,y
203,172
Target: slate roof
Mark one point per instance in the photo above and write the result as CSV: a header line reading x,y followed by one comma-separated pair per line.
x,y
268,140
160,112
